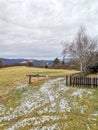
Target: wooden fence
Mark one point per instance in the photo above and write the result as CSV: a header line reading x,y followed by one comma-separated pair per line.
x,y
82,82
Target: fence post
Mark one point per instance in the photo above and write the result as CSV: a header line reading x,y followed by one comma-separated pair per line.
x,y
73,78
94,82
76,82
66,80
90,82
79,81
29,79
82,81
70,82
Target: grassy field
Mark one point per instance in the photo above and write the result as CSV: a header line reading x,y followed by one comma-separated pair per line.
x,y
50,105
12,77
45,104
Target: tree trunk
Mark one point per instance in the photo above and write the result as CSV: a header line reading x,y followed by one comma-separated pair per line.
x,y
81,68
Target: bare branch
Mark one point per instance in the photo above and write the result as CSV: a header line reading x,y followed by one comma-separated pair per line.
x,y
83,48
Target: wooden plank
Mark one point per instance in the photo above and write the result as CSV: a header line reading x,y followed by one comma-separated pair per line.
x,y
96,82
87,82
66,80
70,80
29,79
76,81
33,75
90,82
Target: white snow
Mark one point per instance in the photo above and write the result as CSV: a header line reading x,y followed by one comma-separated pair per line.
x,y
88,128
64,106
78,93
48,99
83,108
21,87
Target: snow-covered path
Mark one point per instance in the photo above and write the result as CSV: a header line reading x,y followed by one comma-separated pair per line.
x,y
44,108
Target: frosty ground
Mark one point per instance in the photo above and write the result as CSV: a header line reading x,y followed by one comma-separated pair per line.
x,y
50,105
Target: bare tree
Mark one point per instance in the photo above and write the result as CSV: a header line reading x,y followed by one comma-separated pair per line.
x,y
83,48
65,52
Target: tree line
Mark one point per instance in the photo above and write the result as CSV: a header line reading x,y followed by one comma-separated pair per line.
x,y
82,50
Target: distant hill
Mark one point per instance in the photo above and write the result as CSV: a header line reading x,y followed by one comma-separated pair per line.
x,y
42,62
24,61
11,61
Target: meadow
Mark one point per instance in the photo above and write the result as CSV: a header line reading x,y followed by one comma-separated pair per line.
x,y
12,77
47,104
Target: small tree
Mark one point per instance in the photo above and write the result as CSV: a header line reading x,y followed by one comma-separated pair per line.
x,y
30,64
56,61
82,48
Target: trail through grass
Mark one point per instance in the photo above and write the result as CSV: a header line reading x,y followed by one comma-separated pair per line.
x,y
50,105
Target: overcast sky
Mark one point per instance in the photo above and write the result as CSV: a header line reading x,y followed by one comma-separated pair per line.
x,y
35,28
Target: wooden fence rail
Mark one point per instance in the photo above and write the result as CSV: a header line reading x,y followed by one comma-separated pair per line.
x,y
82,82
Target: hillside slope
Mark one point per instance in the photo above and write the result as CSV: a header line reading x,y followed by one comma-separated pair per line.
x,y
50,106
13,76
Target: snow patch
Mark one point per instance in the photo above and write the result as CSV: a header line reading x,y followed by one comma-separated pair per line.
x,y
83,108
48,99
78,93
64,106
21,87
53,127
33,120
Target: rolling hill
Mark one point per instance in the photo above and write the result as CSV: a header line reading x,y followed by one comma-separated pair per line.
x,y
24,61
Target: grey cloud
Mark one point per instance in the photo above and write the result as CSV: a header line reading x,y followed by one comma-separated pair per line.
x,y
35,28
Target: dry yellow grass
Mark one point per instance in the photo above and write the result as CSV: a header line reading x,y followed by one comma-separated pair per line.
x,y
52,104
13,76
40,110
93,75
